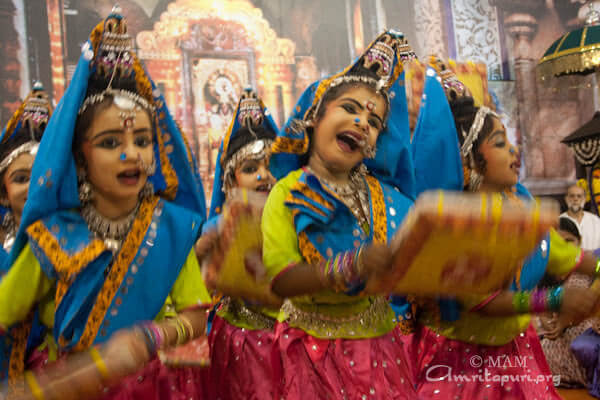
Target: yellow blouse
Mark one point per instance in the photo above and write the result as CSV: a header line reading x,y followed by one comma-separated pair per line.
x,y
327,314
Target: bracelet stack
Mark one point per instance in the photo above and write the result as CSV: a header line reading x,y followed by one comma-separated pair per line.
x,y
538,301
342,273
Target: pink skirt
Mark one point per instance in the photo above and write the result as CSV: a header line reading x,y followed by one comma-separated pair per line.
x,y
153,382
243,363
452,369
373,368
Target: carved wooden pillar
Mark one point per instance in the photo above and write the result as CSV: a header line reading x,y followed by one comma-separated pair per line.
x,y
522,26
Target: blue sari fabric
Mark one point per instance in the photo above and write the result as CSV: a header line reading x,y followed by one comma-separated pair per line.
x,y
53,199
168,237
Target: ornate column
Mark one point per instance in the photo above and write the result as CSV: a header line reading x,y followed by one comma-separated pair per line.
x,y
521,25
55,31
429,29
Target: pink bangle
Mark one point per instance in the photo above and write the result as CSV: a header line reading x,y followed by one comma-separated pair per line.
x,y
578,261
538,301
486,301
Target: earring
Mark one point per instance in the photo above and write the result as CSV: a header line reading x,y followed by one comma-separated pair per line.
x,y
148,169
147,191
369,151
475,180
85,188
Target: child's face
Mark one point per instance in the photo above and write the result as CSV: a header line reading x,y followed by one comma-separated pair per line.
x,y
254,175
16,182
501,159
350,122
112,150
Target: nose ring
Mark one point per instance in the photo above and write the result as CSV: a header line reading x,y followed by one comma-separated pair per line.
x,y
123,156
258,177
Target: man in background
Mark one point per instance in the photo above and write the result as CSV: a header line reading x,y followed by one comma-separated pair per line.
x,y
588,223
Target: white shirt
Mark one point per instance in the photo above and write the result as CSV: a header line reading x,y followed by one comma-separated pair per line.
x,y
589,228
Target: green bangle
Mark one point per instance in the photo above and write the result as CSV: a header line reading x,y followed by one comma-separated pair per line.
x,y
521,302
597,271
555,298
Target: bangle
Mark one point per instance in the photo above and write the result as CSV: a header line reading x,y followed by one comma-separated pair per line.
x,y
35,388
186,322
521,302
149,339
99,362
597,271
538,301
341,272
165,332
555,298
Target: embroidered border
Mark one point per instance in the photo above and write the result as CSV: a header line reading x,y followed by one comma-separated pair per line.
x,y
65,265
378,206
308,250
307,192
284,144
19,336
117,273
304,203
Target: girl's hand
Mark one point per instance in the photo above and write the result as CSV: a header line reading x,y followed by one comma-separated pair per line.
x,y
578,304
376,261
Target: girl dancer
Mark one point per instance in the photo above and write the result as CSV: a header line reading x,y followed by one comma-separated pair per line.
x,y
18,147
241,336
106,239
326,225
488,341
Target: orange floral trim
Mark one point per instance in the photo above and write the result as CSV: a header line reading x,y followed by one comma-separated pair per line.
x,y
19,335
166,167
306,204
379,215
288,145
65,265
117,273
96,35
12,124
308,250
307,192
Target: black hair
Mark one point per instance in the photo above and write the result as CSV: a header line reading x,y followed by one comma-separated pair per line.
x,y
243,136
567,225
464,111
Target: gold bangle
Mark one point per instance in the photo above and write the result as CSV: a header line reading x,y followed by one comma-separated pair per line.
x,y
186,322
165,332
180,331
36,390
99,362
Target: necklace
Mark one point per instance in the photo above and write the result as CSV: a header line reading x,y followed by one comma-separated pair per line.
x,y
110,231
9,225
352,194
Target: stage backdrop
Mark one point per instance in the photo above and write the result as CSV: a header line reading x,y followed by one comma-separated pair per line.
x,y
203,52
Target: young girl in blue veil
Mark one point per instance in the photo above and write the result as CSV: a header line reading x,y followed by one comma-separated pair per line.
x,y
243,364
484,347
18,147
346,186
114,209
